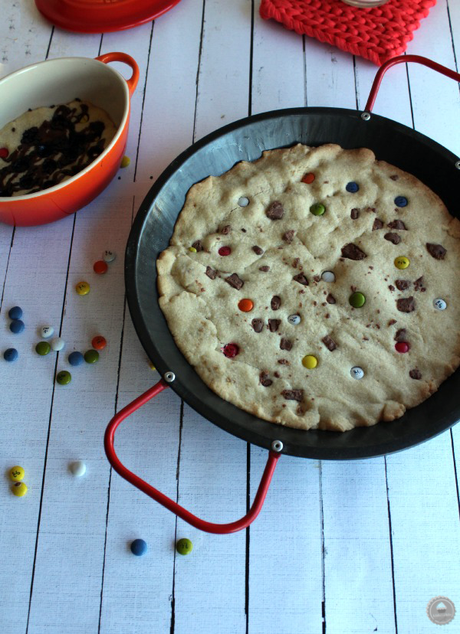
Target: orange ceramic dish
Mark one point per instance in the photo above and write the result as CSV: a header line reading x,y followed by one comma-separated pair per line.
x,y
60,81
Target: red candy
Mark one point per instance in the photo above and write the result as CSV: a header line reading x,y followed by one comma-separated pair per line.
x,y
99,342
230,350
4,152
100,267
308,178
402,346
224,251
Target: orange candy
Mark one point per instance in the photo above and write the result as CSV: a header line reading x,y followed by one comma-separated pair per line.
x,y
99,343
308,178
246,305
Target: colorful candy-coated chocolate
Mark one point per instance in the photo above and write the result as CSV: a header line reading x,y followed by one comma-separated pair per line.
x,y
82,288
440,304
98,342
243,201
230,350
63,377
10,354
15,312
47,331
192,249
19,489
402,346
76,358
357,372
328,276
246,305
310,362
109,256
43,348
138,547
401,201
402,262
357,300
91,356
308,178
352,187
100,267
317,209
77,468
17,473
294,319
57,344
184,546
224,251
125,161
17,326
4,152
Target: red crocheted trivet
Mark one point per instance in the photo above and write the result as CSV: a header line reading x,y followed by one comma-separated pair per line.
x,y
376,34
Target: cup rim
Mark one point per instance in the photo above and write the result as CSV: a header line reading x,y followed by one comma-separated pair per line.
x,y
119,77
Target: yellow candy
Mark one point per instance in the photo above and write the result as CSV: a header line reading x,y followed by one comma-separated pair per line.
x,y
16,474
82,288
309,362
192,249
151,366
402,262
125,161
19,489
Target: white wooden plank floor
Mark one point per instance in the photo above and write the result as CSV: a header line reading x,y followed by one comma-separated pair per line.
x,y
340,547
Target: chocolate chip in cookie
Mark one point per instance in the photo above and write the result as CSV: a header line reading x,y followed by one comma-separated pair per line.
x,y
415,374
285,344
392,237
401,335
211,273
329,343
264,379
378,224
234,281
275,302
197,245
293,395
353,252
405,304
330,299
274,324
257,325
301,278
257,250
354,213
288,236
275,211
402,285
437,251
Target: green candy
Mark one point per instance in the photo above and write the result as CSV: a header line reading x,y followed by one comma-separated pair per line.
x,y
357,300
91,356
43,348
64,377
317,209
184,546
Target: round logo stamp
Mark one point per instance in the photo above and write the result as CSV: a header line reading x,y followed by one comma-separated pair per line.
x,y
440,610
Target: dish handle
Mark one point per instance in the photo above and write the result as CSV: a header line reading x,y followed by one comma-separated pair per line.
x,y
399,60
159,497
126,59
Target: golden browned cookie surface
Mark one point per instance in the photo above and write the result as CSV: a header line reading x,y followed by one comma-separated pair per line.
x,y
315,287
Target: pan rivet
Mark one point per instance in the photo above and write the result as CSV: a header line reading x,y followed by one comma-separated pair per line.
x,y
277,446
365,116
169,377
457,165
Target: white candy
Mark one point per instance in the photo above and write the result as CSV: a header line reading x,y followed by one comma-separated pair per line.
x,y
328,276
243,201
357,372
109,256
78,468
294,319
440,304
57,344
47,331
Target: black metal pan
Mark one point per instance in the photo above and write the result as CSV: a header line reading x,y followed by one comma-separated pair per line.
x,y
217,153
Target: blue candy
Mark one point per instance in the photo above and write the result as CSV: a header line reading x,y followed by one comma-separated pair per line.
x,y
401,201
17,326
15,312
11,354
352,187
76,358
138,547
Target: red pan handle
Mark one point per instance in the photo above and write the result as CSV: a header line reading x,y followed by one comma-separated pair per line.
x,y
178,510
399,60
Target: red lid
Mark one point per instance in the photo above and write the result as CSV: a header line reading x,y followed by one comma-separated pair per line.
x,y
99,16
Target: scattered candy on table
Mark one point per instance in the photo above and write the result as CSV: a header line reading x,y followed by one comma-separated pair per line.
x,y
310,362
98,342
63,377
138,547
19,489
17,326
357,300
77,468
328,276
109,256
184,546
43,348
91,356
15,312
243,201
317,209
352,187
246,305
100,267
76,358
16,473
439,304
57,344
46,332
125,161
402,346
10,354
402,262
82,288
357,372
